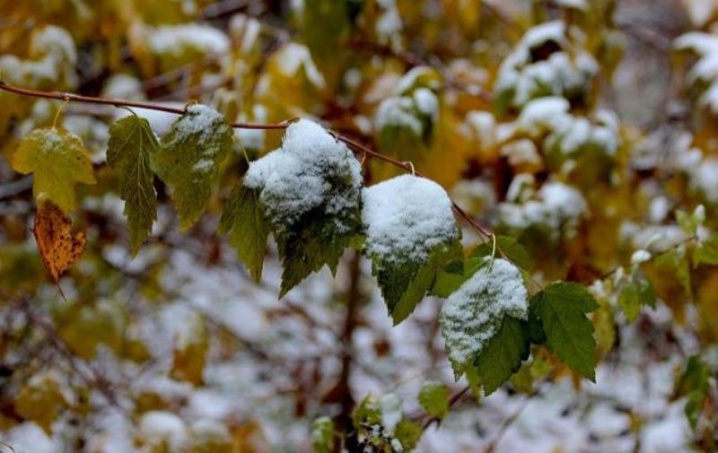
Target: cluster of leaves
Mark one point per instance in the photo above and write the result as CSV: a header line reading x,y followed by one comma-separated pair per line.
x,y
569,203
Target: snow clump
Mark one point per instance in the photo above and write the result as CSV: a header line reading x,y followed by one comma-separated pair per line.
x,y
312,170
406,218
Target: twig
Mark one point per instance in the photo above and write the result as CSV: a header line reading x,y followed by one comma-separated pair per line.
x,y
96,380
16,187
353,145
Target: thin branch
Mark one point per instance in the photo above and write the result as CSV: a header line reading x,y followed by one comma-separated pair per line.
x,y
16,187
96,379
353,145
453,400
4,86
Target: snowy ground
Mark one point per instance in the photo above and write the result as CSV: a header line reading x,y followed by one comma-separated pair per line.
x,y
285,356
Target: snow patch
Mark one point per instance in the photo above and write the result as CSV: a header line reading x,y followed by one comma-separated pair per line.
x,y
406,217
295,179
473,314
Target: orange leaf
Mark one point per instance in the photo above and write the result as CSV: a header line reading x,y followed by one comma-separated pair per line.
x,y
59,246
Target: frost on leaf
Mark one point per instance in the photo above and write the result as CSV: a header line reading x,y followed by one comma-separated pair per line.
x,y
479,310
57,159
188,160
131,144
410,234
309,190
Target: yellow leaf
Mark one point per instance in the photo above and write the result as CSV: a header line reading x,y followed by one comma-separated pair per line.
x,y
59,246
40,400
58,159
190,352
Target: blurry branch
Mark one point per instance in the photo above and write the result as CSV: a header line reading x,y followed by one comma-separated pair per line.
x,y
16,187
647,36
95,380
355,146
452,401
411,61
226,8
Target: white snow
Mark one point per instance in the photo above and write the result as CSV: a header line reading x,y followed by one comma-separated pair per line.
x,y
389,24
549,31
706,68
705,179
199,120
391,411
158,427
568,69
522,152
406,217
293,179
640,256
543,114
700,11
426,102
398,111
174,39
557,206
292,57
472,315
576,4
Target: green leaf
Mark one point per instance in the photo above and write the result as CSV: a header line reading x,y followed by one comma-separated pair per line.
x,y
57,159
324,25
707,251
694,383
676,262
448,280
248,230
503,354
434,398
309,192
562,309
189,159
636,293
475,313
408,433
690,223
367,412
131,144
310,245
323,435
404,283
514,251
411,234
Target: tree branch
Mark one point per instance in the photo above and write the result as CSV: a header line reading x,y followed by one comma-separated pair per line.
x,y
356,147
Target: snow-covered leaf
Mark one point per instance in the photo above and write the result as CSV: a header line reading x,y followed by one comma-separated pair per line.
x,y
309,191
475,313
636,293
411,233
188,160
131,144
562,309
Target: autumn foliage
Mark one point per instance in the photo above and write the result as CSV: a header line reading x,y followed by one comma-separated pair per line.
x,y
360,225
